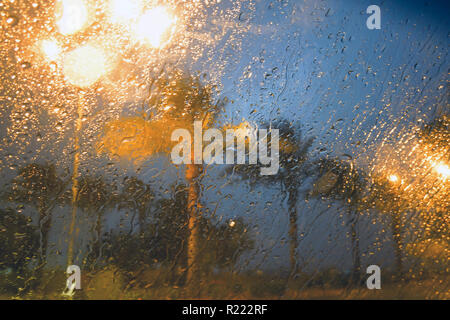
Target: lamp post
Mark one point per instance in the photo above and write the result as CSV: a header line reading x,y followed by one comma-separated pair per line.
x,y
82,67
396,221
85,65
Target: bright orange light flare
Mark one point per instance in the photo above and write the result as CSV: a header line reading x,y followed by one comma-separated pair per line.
x,y
154,25
51,50
124,10
74,16
393,178
85,65
442,169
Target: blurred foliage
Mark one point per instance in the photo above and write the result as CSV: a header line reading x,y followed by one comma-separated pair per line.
x,y
162,243
19,240
293,156
380,103
293,153
177,101
340,181
39,186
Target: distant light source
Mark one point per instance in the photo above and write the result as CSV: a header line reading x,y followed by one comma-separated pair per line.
x,y
85,65
74,16
124,10
442,169
154,25
393,178
51,50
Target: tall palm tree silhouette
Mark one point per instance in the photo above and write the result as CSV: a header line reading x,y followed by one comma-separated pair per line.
x,y
293,155
178,100
340,180
182,98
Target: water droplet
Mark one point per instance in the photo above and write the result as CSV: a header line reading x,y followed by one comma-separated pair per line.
x,y
12,20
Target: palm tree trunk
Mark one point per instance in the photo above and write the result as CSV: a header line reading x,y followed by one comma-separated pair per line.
x,y
141,217
44,225
192,173
396,228
356,257
98,230
293,229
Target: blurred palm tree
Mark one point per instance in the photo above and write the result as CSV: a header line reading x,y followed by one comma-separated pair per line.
x,y
40,186
178,100
221,243
293,154
181,98
341,181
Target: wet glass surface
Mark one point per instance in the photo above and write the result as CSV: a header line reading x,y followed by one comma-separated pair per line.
x,y
98,97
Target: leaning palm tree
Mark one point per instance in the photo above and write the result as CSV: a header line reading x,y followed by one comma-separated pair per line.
x,y
293,154
39,186
341,181
178,101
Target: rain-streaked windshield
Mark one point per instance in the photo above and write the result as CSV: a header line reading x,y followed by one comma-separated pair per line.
x,y
224,149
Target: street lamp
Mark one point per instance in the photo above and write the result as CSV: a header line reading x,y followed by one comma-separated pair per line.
x,y
84,65
154,25
74,16
393,178
123,11
442,169
51,50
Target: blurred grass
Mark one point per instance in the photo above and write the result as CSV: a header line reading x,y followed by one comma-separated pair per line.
x,y
113,284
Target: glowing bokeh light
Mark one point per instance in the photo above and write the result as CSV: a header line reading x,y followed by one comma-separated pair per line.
x,y
51,50
74,16
124,10
442,169
393,178
153,25
85,65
